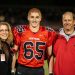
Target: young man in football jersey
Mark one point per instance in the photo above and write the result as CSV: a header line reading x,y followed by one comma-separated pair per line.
x,y
64,48
32,40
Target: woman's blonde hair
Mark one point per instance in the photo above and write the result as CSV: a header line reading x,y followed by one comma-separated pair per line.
x,y
9,40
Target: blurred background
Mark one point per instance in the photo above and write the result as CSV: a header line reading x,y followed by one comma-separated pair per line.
x,y
15,11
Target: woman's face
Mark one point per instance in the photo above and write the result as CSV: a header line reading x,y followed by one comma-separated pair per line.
x,y
4,32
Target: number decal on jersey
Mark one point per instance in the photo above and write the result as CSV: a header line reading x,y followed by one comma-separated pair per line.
x,y
40,51
29,51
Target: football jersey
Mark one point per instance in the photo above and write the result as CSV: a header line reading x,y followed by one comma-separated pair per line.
x,y
32,45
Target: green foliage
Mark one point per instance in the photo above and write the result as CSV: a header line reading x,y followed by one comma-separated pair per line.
x,y
46,68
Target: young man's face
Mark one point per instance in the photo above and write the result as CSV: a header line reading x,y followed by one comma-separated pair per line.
x,y
34,19
3,32
68,21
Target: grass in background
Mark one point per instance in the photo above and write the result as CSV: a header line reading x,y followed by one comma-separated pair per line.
x,y
46,68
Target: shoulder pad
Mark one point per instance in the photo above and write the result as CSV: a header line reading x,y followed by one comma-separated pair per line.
x,y
49,29
20,28
43,28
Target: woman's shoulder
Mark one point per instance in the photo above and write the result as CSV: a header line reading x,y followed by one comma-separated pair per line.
x,y
5,45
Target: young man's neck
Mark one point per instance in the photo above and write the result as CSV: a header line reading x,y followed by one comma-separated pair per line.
x,y
34,29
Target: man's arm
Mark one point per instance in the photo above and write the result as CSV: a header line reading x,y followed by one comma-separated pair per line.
x,y
14,58
14,49
50,60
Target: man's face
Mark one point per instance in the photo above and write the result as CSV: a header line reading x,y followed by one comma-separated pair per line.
x,y
68,21
3,32
34,19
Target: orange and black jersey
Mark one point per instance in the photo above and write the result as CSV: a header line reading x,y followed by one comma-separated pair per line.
x,y
32,45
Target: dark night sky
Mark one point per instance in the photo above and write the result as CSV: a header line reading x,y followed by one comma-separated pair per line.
x,y
38,2
51,9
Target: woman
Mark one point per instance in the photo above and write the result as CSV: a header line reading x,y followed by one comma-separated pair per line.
x,y
6,39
